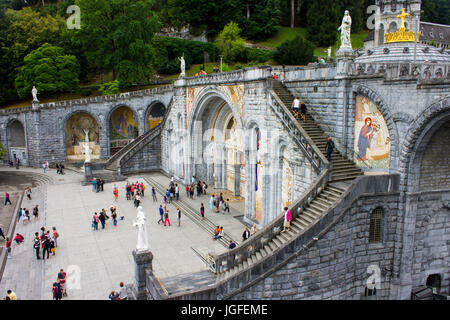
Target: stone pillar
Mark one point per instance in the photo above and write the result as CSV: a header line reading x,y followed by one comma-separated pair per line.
x,y
209,174
142,260
237,179
88,171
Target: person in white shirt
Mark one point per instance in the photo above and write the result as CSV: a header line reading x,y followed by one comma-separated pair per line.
x,y
296,106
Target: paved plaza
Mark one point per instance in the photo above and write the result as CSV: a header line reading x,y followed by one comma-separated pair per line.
x,y
97,261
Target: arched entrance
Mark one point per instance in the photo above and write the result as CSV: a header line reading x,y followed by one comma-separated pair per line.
x,y
78,129
123,128
17,145
216,145
155,114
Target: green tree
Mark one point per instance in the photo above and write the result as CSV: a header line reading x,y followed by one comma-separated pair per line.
x,y
110,88
436,11
50,70
264,20
28,30
117,35
323,21
295,52
230,42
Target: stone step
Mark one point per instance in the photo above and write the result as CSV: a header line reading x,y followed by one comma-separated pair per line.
x,y
318,206
273,245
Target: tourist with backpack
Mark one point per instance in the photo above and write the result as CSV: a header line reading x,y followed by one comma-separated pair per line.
x,y
55,236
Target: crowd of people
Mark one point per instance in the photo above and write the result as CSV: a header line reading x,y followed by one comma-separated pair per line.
x,y
134,191
45,241
217,203
24,214
102,217
59,286
97,184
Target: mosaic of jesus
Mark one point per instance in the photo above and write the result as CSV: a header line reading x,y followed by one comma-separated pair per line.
x,y
372,141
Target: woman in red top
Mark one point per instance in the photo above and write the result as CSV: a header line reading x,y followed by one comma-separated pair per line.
x,y
8,247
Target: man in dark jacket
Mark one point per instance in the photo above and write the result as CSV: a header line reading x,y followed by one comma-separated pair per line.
x,y
47,247
329,148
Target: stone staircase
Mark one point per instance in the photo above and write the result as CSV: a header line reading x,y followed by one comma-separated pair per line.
x,y
311,214
342,168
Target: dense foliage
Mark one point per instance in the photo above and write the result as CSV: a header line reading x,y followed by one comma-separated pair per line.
x,y
50,70
230,43
117,36
295,52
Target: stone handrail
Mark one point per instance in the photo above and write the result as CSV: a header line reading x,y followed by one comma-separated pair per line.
x,y
149,135
242,75
230,259
298,134
396,71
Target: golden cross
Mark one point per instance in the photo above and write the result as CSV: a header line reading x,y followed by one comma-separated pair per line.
x,y
403,16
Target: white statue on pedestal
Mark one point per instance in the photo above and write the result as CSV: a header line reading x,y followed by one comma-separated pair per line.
x,y
142,240
182,67
345,29
87,149
34,92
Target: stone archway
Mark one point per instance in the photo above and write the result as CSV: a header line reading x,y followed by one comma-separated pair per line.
x,y
425,190
154,115
123,128
77,128
16,139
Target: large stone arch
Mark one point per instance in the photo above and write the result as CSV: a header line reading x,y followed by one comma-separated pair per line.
x,y
412,199
151,108
16,140
420,131
384,108
73,151
118,138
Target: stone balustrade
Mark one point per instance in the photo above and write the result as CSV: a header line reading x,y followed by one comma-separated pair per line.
x,y
230,259
243,75
306,144
401,71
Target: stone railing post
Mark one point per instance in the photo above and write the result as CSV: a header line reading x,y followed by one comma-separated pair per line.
x,y
142,261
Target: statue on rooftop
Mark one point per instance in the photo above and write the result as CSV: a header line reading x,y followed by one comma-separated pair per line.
x,y
345,29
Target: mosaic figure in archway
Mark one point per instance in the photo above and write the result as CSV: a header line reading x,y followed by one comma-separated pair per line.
x,y
156,115
123,129
77,128
372,142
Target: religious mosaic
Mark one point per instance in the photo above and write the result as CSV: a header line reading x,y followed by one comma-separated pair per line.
x,y
80,127
372,142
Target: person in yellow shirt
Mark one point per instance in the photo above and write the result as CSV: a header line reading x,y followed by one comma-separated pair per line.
x,y
12,295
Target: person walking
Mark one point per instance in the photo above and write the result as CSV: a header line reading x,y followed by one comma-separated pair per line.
x,y
246,234
8,247
303,110
56,290
161,214
137,200
28,193
211,202
227,206
187,191
19,214
177,192
55,236
102,219
287,219
204,186
296,106
202,211
115,192
44,166
179,216
1,232
253,230
36,211
329,148
166,218
95,221
62,278
168,196
154,194
94,184
7,199
37,245
47,246
114,216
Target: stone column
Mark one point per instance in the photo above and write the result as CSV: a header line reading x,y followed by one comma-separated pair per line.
x,y
209,174
237,179
88,171
142,260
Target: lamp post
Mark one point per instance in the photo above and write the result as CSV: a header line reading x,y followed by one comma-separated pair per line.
x,y
221,56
